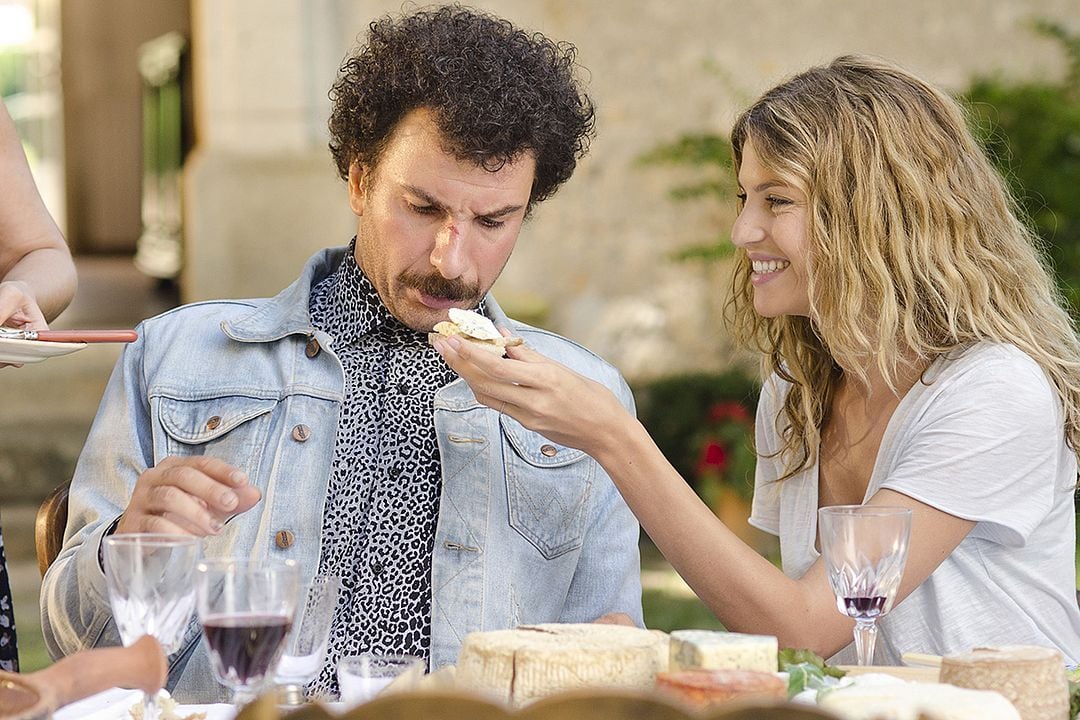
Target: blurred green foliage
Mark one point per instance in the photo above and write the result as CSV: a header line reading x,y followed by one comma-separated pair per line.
x,y
692,416
1031,130
709,156
12,72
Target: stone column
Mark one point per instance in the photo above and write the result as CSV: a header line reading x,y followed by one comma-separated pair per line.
x,y
261,191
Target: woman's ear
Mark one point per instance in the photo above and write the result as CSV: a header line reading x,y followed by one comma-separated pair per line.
x,y
358,184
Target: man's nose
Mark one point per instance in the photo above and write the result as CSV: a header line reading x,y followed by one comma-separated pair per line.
x,y
448,255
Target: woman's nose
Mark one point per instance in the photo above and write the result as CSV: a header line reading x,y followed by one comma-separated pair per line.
x,y
448,255
745,231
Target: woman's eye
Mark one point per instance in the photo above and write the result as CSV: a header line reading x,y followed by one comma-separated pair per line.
x,y
491,224
775,201
741,198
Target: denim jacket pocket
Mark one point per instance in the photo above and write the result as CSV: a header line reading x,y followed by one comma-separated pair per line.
x,y
232,428
548,487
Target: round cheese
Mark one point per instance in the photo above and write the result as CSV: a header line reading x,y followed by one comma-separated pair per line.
x,y
916,701
1031,677
533,661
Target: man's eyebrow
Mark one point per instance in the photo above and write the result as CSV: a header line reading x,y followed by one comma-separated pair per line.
x,y
423,196
497,212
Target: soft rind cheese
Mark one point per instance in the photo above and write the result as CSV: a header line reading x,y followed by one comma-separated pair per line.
x,y
1031,677
474,324
533,661
916,701
715,650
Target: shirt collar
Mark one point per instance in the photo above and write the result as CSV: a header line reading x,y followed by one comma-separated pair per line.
x,y
353,307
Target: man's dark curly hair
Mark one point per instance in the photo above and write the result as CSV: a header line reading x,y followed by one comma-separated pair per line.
x,y
495,91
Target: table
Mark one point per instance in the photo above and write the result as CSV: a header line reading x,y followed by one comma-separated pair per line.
x,y
114,705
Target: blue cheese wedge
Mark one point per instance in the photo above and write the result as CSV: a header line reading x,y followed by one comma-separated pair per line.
x,y
714,650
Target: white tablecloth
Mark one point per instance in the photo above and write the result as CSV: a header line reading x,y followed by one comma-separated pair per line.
x,y
114,705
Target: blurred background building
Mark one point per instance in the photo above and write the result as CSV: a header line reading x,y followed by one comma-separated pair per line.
x,y
181,145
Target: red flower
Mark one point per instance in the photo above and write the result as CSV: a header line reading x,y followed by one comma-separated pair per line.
x,y
714,457
729,410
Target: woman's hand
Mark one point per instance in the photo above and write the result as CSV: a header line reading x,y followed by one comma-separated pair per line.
x,y
19,308
541,394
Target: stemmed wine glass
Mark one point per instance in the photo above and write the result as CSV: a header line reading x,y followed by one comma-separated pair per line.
x,y
246,609
150,580
305,647
864,548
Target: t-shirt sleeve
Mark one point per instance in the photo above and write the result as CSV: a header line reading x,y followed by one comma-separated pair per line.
x,y
986,446
765,507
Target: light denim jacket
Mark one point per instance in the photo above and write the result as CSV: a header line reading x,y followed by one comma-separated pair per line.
x,y
529,531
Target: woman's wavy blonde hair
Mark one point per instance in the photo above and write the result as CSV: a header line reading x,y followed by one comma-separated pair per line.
x,y
914,244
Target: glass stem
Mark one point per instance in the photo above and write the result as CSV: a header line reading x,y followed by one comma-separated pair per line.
x,y
149,705
242,696
865,639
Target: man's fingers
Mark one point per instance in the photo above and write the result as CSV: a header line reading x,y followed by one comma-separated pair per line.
x,y
154,524
213,467
218,496
196,494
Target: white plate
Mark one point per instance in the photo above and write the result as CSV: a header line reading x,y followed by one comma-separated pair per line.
x,y
14,350
115,705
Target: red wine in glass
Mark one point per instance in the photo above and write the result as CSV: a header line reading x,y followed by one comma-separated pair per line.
x,y
245,647
864,607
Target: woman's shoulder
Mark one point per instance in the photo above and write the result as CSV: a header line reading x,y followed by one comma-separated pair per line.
x,y
987,364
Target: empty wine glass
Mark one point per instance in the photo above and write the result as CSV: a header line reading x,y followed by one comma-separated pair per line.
x,y
150,580
864,548
362,677
305,647
246,609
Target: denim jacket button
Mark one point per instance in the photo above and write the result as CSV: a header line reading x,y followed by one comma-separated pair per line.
x,y
213,422
312,349
284,539
301,433
549,450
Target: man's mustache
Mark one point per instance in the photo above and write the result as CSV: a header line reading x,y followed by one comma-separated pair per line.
x,y
436,285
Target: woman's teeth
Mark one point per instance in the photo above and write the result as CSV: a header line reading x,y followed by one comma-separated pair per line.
x,y
769,266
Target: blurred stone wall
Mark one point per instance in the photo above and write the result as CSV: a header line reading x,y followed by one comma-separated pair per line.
x,y
594,262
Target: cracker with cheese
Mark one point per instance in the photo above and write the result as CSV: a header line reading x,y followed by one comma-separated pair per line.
x,y
475,329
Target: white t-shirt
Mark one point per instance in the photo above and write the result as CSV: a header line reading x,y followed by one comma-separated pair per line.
x,y
982,439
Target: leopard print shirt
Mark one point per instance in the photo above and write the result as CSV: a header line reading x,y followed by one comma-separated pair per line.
x,y
383,497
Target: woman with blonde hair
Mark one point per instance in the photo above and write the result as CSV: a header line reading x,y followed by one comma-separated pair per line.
x,y
916,353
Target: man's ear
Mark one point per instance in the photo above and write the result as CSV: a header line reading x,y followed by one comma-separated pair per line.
x,y
358,185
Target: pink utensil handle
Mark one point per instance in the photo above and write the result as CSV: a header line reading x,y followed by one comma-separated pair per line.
x,y
86,336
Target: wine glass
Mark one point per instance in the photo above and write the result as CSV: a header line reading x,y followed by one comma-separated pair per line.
x,y
150,581
864,548
246,609
362,677
305,647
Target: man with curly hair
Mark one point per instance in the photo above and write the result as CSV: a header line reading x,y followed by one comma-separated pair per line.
x,y
321,426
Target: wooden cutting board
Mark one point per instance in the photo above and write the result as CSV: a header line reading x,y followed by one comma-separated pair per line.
x,y
904,672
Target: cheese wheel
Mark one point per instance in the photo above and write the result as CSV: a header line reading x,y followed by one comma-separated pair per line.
x,y
703,688
533,661
663,650
715,650
1031,677
916,701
